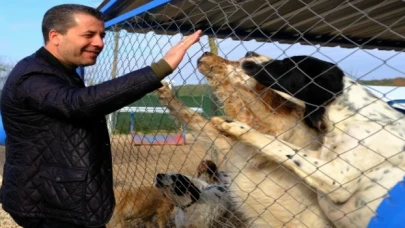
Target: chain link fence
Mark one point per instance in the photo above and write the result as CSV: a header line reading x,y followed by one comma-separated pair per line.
x,y
298,175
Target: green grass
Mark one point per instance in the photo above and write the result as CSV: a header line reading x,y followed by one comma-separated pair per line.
x,y
153,122
146,123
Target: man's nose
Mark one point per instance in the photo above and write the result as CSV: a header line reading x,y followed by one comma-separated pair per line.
x,y
98,41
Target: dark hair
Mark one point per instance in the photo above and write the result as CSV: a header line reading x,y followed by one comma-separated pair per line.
x,y
60,18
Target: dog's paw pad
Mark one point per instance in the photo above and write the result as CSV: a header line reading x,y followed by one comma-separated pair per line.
x,y
165,92
230,127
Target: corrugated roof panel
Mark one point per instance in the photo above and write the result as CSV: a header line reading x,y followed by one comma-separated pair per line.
x,y
325,22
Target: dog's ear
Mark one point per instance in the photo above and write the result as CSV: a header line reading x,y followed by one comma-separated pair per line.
x,y
179,190
309,79
183,184
314,117
194,192
327,84
180,184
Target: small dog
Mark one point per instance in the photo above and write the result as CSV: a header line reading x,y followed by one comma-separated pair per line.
x,y
198,203
208,171
143,202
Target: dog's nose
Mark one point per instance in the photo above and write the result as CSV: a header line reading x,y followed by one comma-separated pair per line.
x,y
203,55
251,54
158,183
160,176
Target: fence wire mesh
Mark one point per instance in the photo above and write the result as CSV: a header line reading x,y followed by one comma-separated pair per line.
x,y
294,168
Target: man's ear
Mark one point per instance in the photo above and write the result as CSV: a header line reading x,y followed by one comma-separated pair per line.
x,y
54,37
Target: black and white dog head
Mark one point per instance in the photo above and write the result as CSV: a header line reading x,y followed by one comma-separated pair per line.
x,y
200,203
178,188
311,80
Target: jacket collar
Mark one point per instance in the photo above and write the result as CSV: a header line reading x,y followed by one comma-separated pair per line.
x,y
52,60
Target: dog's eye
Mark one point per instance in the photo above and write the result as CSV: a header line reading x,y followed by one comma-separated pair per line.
x,y
248,64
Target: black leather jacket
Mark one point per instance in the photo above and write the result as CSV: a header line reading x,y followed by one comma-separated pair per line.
x,y
58,156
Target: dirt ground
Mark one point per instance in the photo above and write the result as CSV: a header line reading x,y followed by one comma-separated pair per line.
x,y
136,165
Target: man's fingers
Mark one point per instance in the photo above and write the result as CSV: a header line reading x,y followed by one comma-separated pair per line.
x,y
187,41
174,56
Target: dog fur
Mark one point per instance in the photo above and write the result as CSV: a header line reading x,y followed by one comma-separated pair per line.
x,y
143,203
363,144
265,192
198,204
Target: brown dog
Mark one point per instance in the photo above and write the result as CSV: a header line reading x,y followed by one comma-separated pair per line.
x,y
143,202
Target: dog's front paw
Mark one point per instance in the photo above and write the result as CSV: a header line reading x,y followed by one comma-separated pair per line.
x,y
230,127
165,93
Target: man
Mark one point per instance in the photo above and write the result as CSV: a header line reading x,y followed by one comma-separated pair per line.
x,y
58,169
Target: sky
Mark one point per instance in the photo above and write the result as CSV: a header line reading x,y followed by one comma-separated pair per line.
x,y
21,36
21,20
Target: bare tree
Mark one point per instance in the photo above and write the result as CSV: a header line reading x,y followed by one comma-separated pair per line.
x,y
6,65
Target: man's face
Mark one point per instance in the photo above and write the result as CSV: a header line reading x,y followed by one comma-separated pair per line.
x,y
83,42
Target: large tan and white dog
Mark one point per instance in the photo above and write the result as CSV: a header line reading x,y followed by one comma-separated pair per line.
x,y
344,155
363,138
265,192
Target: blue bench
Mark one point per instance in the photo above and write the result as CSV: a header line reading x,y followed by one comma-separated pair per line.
x,y
401,101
